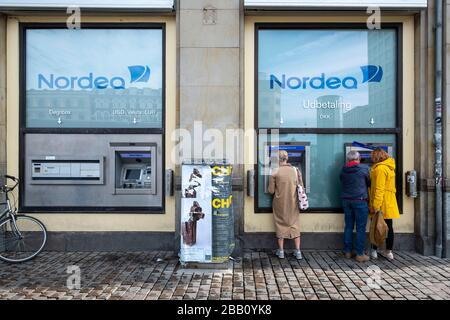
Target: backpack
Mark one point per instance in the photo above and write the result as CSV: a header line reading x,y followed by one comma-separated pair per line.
x,y
378,229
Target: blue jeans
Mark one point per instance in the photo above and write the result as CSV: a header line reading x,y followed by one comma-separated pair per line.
x,y
355,211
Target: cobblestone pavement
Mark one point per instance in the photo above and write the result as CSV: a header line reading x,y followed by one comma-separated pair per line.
x,y
258,275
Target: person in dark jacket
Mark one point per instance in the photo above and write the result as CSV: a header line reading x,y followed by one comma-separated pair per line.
x,y
355,181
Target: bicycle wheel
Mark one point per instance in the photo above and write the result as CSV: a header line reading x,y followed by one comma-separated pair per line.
x,y
23,240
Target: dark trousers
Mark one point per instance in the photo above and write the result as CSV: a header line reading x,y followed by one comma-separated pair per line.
x,y
390,237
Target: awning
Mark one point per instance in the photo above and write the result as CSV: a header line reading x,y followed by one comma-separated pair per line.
x,y
104,5
333,4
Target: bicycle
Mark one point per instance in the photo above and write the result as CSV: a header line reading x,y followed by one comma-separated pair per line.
x,y
22,237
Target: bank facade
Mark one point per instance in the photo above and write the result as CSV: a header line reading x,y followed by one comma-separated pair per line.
x,y
91,117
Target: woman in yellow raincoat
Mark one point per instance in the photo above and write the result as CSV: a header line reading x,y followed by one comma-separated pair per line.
x,y
382,196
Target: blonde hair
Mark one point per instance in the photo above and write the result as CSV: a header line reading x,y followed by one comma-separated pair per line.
x,y
379,155
282,155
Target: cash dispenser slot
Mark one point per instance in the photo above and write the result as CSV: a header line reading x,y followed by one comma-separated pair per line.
x,y
66,171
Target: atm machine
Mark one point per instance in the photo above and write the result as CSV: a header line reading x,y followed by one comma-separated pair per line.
x,y
299,156
366,149
135,170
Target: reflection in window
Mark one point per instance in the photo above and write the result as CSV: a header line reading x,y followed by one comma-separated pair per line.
x,y
326,160
327,78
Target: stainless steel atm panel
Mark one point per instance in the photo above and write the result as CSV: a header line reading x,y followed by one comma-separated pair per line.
x,y
299,156
365,153
99,172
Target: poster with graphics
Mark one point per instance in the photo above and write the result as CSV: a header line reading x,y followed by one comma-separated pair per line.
x,y
196,219
222,213
207,221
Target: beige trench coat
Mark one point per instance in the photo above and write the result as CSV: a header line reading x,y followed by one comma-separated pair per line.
x,y
283,185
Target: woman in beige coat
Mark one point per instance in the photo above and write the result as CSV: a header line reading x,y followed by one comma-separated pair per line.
x,y
283,185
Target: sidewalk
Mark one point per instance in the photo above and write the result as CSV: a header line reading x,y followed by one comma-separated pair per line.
x,y
259,275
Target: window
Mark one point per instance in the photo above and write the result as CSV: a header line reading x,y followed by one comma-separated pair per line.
x,y
326,160
330,78
325,86
92,77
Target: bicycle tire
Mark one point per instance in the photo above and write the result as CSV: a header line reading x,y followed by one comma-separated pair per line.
x,y
34,253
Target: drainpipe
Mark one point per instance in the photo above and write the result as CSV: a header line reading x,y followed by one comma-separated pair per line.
x,y
446,198
438,127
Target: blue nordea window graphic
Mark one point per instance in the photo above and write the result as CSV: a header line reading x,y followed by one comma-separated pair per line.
x,y
84,82
327,78
94,78
320,82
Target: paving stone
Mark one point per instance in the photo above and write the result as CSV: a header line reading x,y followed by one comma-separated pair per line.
x,y
259,275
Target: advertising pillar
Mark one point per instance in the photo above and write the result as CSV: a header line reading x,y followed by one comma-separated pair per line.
x,y
207,223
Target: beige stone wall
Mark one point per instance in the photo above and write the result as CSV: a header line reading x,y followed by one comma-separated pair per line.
x,y
209,60
210,81
206,80
209,74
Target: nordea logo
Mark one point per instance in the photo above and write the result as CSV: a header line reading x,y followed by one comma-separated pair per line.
x,y
370,74
137,74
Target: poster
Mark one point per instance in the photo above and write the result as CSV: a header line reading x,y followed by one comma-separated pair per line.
x,y
222,211
207,221
196,218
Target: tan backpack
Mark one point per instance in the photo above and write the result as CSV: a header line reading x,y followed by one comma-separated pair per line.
x,y
378,229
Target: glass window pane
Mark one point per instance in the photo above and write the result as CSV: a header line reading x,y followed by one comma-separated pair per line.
x,y
331,78
326,160
94,78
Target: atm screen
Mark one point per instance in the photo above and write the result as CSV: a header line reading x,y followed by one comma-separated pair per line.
x,y
366,157
295,153
133,174
365,151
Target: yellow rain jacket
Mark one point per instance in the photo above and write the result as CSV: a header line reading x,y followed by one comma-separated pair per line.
x,y
382,189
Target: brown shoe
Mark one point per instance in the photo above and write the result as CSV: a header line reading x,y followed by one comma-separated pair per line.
x,y
347,255
362,258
